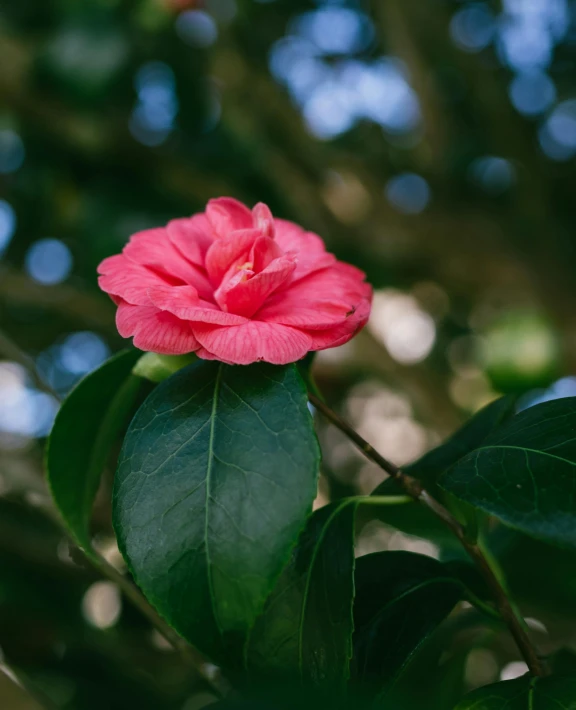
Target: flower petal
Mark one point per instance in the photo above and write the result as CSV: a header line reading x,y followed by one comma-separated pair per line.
x,y
246,296
224,252
154,330
321,300
309,247
154,249
120,277
309,314
180,301
340,334
227,215
192,236
263,252
263,220
251,342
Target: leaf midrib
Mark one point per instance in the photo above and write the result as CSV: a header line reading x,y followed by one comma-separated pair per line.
x,y
217,383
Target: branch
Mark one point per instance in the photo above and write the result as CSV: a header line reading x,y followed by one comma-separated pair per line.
x,y
415,490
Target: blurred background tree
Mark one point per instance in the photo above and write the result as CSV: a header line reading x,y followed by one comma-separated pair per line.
x,y
429,142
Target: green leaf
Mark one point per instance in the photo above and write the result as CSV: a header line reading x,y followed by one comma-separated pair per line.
x,y
215,482
466,439
305,630
525,473
526,693
85,428
401,597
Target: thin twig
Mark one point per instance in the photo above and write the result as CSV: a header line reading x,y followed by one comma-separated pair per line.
x,y
414,488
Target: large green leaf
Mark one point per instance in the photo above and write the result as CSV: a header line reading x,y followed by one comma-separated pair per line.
x,y
215,482
526,693
85,428
525,472
401,597
464,440
305,630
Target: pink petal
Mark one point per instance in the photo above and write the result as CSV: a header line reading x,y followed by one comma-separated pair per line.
x,y
246,296
340,334
205,355
330,292
192,236
263,252
154,330
251,342
312,254
309,314
154,249
224,252
180,301
263,219
226,215
120,277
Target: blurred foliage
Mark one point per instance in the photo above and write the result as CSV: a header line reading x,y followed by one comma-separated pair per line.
x,y
430,143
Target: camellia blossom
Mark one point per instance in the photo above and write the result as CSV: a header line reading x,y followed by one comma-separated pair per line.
x,y
234,285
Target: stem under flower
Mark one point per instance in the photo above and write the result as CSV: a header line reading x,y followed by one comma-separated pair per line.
x,y
415,490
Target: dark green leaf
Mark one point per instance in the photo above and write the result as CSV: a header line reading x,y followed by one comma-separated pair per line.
x,y
401,597
466,439
216,479
526,693
432,680
86,426
525,472
306,628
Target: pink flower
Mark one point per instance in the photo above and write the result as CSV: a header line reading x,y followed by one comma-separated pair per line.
x,y
234,285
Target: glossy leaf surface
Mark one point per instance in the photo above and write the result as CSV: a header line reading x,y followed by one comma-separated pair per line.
x,y
215,481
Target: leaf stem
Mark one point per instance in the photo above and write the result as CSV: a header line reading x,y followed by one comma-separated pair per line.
x,y
415,490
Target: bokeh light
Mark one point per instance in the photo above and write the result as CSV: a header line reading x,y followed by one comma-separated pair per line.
x,y
407,332
408,193
49,261
558,134
153,118
532,92
197,28
493,174
473,27
24,411
102,605
7,224
83,352
11,151
334,30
